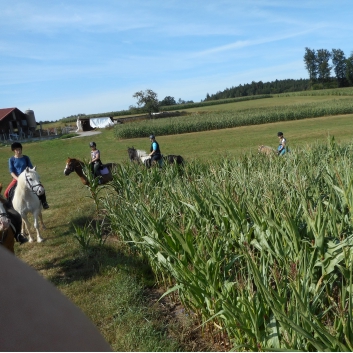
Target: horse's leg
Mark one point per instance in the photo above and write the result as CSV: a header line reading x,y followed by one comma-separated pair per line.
x,y
41,221
36,215
26,227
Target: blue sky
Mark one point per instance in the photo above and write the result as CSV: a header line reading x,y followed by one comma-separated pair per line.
x,y
62,58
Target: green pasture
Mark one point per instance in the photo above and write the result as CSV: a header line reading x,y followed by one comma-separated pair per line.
x,y
246,139
108,282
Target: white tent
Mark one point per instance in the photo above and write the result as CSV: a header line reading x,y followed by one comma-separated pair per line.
x,y
101,122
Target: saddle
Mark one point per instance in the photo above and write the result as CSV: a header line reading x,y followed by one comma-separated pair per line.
x,y
103,169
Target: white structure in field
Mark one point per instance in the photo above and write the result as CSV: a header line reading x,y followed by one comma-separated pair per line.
x,y
79,125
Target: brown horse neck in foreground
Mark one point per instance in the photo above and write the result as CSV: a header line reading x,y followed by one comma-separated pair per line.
x,y
75,165
7,234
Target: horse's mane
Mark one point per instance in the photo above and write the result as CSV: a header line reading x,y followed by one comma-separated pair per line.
x,y
74,159
135,154
141,153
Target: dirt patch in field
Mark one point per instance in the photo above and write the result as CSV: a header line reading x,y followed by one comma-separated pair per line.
x,y
183,326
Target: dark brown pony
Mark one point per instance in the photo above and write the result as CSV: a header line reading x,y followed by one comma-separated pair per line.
x,y
75,165
7,233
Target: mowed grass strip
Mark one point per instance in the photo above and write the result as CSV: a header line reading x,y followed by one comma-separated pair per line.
x,y
246,139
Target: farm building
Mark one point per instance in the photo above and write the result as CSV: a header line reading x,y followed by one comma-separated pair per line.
x,y
15,124
87,124
83,124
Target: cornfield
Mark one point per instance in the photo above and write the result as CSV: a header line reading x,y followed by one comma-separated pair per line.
x,y
258,249
348,91
229,119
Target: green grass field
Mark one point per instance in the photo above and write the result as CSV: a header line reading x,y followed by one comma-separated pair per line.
x,y
109,283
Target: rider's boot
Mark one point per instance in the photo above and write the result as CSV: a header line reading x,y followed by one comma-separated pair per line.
x,y
43,200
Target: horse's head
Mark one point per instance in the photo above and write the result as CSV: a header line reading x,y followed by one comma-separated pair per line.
x,y
30,178
131,151
4,219
71,165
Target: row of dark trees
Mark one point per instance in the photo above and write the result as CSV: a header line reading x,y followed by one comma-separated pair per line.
x,y
320,63
260,88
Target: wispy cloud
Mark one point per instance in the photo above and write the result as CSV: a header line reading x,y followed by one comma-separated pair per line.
x,y
67,57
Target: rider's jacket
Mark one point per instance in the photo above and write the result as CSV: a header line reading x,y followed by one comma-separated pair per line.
x,y
158,151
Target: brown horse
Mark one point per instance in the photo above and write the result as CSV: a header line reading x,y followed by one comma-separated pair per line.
x,y
75,165
267,150
7,233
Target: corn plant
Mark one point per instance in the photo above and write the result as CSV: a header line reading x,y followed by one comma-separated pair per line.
x,y
258,249
227,119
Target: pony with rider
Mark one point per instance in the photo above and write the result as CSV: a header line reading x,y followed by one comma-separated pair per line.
x,y
281,149
19,163
155,155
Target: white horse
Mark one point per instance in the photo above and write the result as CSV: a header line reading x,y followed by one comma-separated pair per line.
x,y
26,200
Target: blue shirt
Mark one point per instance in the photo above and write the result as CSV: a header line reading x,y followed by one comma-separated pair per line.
x,y
154,146
18,165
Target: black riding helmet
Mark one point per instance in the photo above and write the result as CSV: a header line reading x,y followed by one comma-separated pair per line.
x,y
279,134
15,145
92,144
152,137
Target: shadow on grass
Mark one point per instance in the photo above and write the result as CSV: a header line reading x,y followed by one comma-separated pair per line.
x,y
79,263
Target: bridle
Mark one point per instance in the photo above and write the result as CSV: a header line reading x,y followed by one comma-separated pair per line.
x,y
70,168
31,186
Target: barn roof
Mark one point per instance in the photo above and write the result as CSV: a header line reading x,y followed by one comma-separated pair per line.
x,y
5,112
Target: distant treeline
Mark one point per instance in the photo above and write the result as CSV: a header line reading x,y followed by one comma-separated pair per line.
x,y
181,106
261,88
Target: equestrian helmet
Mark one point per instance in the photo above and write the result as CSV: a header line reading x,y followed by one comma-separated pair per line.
x,y
279,134
16,145
92,144
152,137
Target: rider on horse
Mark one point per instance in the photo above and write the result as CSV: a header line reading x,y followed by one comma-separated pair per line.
x,y
17,164
155,151
282,147
96,162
